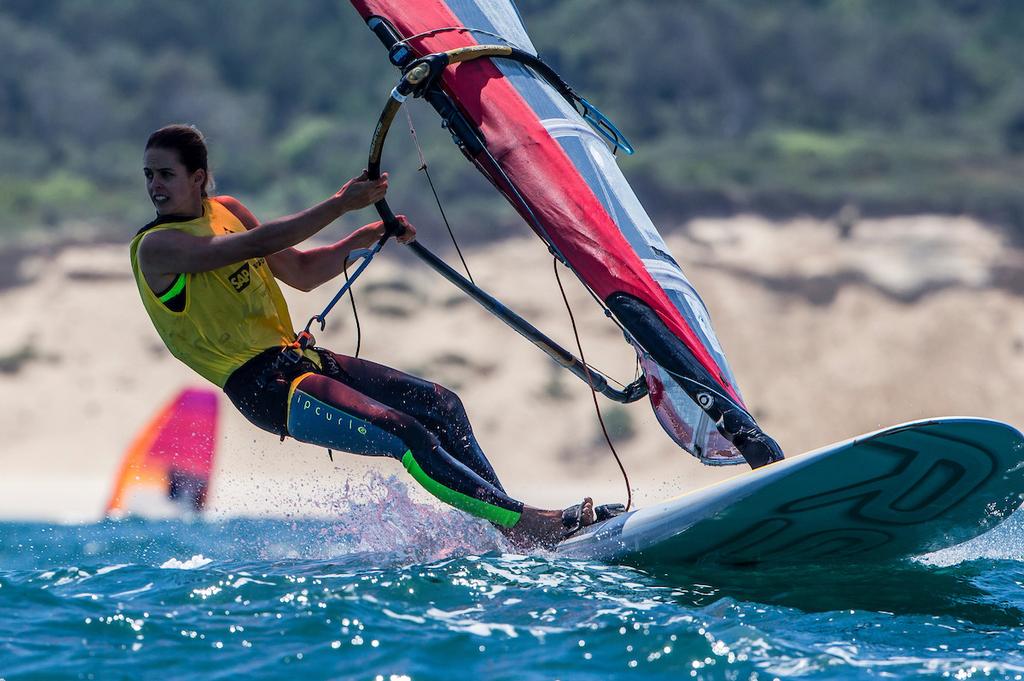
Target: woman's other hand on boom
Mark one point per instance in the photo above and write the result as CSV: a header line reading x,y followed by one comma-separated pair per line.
x,y
360,192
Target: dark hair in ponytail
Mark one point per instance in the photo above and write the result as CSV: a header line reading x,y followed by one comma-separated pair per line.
x,y
190,145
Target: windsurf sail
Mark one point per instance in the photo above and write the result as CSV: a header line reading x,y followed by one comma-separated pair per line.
x,y
552,155
166,469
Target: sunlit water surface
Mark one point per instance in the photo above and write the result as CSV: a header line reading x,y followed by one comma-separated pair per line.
x,y
395,590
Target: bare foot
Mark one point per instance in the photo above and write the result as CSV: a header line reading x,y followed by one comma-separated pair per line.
x,y
540,527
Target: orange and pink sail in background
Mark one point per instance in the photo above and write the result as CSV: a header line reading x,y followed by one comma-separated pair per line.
x,y
166,470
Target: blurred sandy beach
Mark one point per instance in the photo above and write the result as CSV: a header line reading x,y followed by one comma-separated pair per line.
x,y
831,333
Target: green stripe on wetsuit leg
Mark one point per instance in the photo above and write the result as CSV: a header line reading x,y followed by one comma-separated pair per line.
x,y
481,509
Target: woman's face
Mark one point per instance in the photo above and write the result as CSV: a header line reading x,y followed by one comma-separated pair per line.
x,y
172,189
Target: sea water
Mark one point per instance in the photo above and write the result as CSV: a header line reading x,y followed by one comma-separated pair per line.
x,y
392,589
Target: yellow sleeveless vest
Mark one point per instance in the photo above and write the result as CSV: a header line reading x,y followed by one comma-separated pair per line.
x,y
231,314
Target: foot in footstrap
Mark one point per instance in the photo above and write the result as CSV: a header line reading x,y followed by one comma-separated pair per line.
x,y
539,528
578,516
571,515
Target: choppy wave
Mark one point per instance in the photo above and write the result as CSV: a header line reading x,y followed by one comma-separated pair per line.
x,y
397,590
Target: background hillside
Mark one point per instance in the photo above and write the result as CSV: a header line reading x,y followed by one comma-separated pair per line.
x,y
839,178
784,106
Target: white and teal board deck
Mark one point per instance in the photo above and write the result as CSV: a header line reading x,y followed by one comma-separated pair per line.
x,y
899,492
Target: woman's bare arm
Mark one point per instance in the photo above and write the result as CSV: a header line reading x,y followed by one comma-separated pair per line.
x,y
169,252
305,270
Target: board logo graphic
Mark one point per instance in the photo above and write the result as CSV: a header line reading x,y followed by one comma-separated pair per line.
x,y
705,400
907,479
240,278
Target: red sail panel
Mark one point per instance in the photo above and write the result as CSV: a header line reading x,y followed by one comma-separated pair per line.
x,y
167,468
575,220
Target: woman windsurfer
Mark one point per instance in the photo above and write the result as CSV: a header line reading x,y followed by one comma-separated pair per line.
x,y
207,269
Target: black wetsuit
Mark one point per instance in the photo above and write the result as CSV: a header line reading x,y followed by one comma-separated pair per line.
x,y
358,405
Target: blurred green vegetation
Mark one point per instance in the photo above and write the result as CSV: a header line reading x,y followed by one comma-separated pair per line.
x,y
776,106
